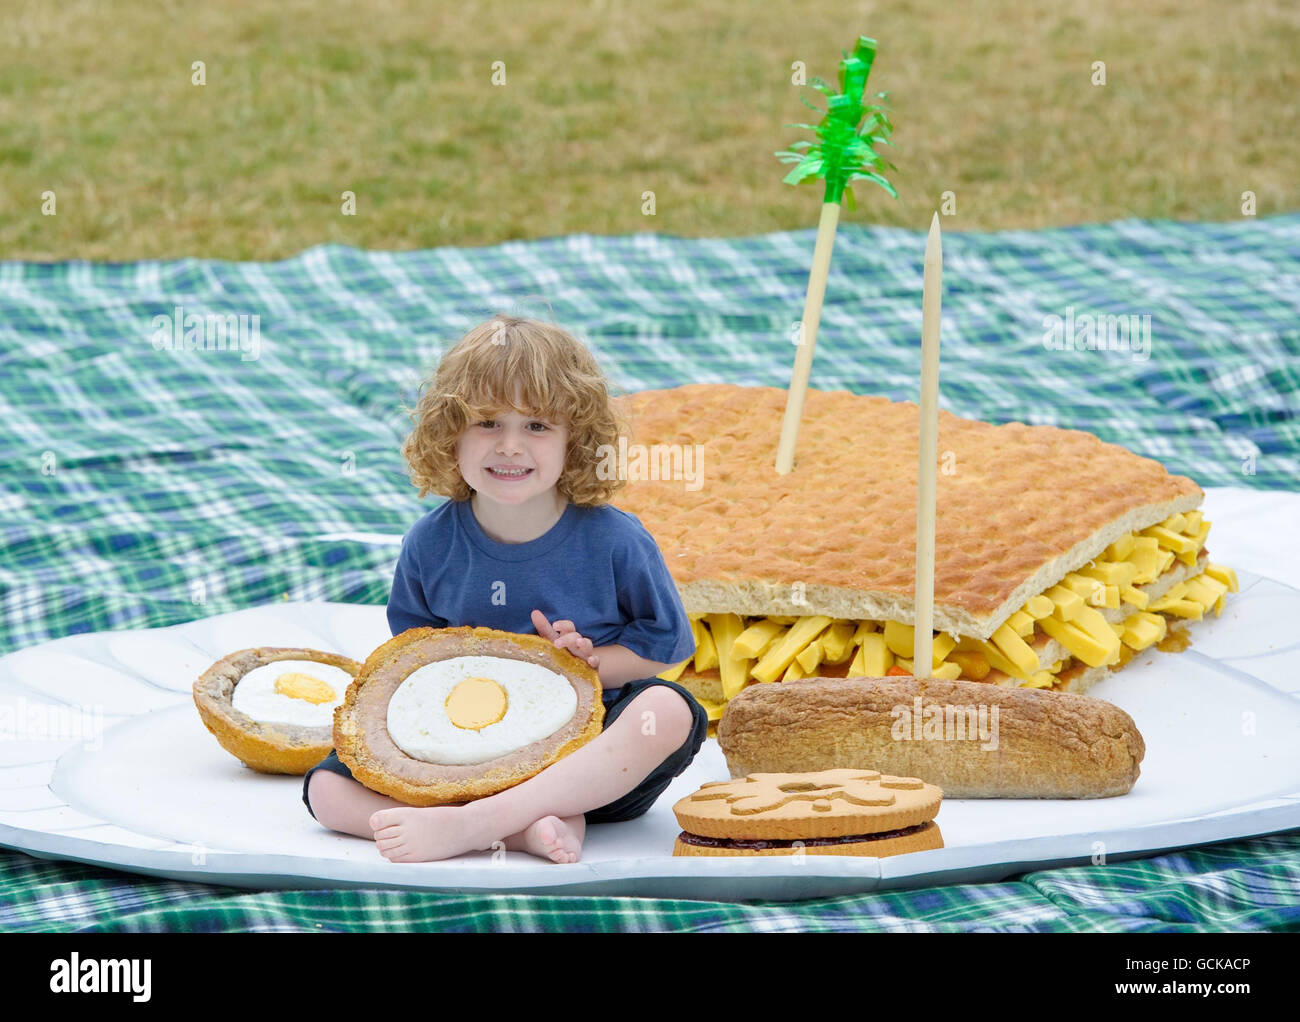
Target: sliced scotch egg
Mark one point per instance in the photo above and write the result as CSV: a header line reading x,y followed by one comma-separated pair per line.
x,y
272,708
442,715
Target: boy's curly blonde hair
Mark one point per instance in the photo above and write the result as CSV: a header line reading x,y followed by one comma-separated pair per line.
x,y
557,379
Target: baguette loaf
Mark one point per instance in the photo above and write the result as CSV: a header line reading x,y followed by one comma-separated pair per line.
x,y
972,740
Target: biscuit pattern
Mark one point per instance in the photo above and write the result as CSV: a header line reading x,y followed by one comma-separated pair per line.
x,y
761,793
824,803
843,521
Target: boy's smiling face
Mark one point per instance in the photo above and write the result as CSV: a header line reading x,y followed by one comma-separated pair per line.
x,y
512,458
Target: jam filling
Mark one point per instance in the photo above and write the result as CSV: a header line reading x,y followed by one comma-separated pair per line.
x,y
761,845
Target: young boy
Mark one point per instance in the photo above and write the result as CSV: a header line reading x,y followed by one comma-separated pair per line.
x,y
510,430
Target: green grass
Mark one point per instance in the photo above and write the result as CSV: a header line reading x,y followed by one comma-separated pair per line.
x,y
607,100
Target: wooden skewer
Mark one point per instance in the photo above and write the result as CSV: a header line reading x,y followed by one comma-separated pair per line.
x,y
927,455
812,314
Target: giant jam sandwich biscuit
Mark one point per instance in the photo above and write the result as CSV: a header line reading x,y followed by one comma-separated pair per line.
x,y
440,715
826,812
1058,556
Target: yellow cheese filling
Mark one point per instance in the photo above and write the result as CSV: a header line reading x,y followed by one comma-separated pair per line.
x,y
749,650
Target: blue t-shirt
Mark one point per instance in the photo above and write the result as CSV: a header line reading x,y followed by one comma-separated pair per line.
x,y
597,567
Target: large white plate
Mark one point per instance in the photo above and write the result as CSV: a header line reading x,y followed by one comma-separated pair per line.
x,y
104,760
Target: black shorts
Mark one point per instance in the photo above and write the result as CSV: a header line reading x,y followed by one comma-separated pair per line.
x,y
636,802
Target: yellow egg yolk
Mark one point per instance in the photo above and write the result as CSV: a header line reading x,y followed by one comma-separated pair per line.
x,y
297,685
475,703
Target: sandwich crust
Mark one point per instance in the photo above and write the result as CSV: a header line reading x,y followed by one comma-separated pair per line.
x,y
268,747
364,745
1018,507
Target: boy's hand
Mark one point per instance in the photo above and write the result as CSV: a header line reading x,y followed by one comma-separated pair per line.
x,y
565,636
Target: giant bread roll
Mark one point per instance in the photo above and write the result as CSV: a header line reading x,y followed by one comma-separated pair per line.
x,y
972,740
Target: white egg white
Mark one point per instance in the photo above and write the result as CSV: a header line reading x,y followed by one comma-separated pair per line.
x,y
255,695
538,703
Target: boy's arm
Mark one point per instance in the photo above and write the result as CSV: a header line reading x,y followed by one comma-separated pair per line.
x,y
619,665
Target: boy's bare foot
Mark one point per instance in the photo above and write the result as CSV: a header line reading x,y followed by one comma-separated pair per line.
x,y
412,834
555,839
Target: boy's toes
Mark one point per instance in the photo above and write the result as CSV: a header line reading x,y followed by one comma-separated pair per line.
x,y
551,838
546,832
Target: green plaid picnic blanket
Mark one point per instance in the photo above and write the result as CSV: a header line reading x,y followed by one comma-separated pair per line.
x,y
169,428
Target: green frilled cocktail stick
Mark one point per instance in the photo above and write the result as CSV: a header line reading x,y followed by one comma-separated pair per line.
x,y
843,153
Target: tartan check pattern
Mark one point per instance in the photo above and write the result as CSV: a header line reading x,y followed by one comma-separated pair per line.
x,y
1236,886
147,483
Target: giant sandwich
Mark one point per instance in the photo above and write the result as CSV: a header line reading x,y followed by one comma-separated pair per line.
x,y
1058,556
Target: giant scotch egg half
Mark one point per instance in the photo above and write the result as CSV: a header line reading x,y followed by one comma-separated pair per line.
x,y
440,715
273,708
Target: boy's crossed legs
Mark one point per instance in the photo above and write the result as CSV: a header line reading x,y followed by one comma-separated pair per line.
x,y
350,807
543,815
